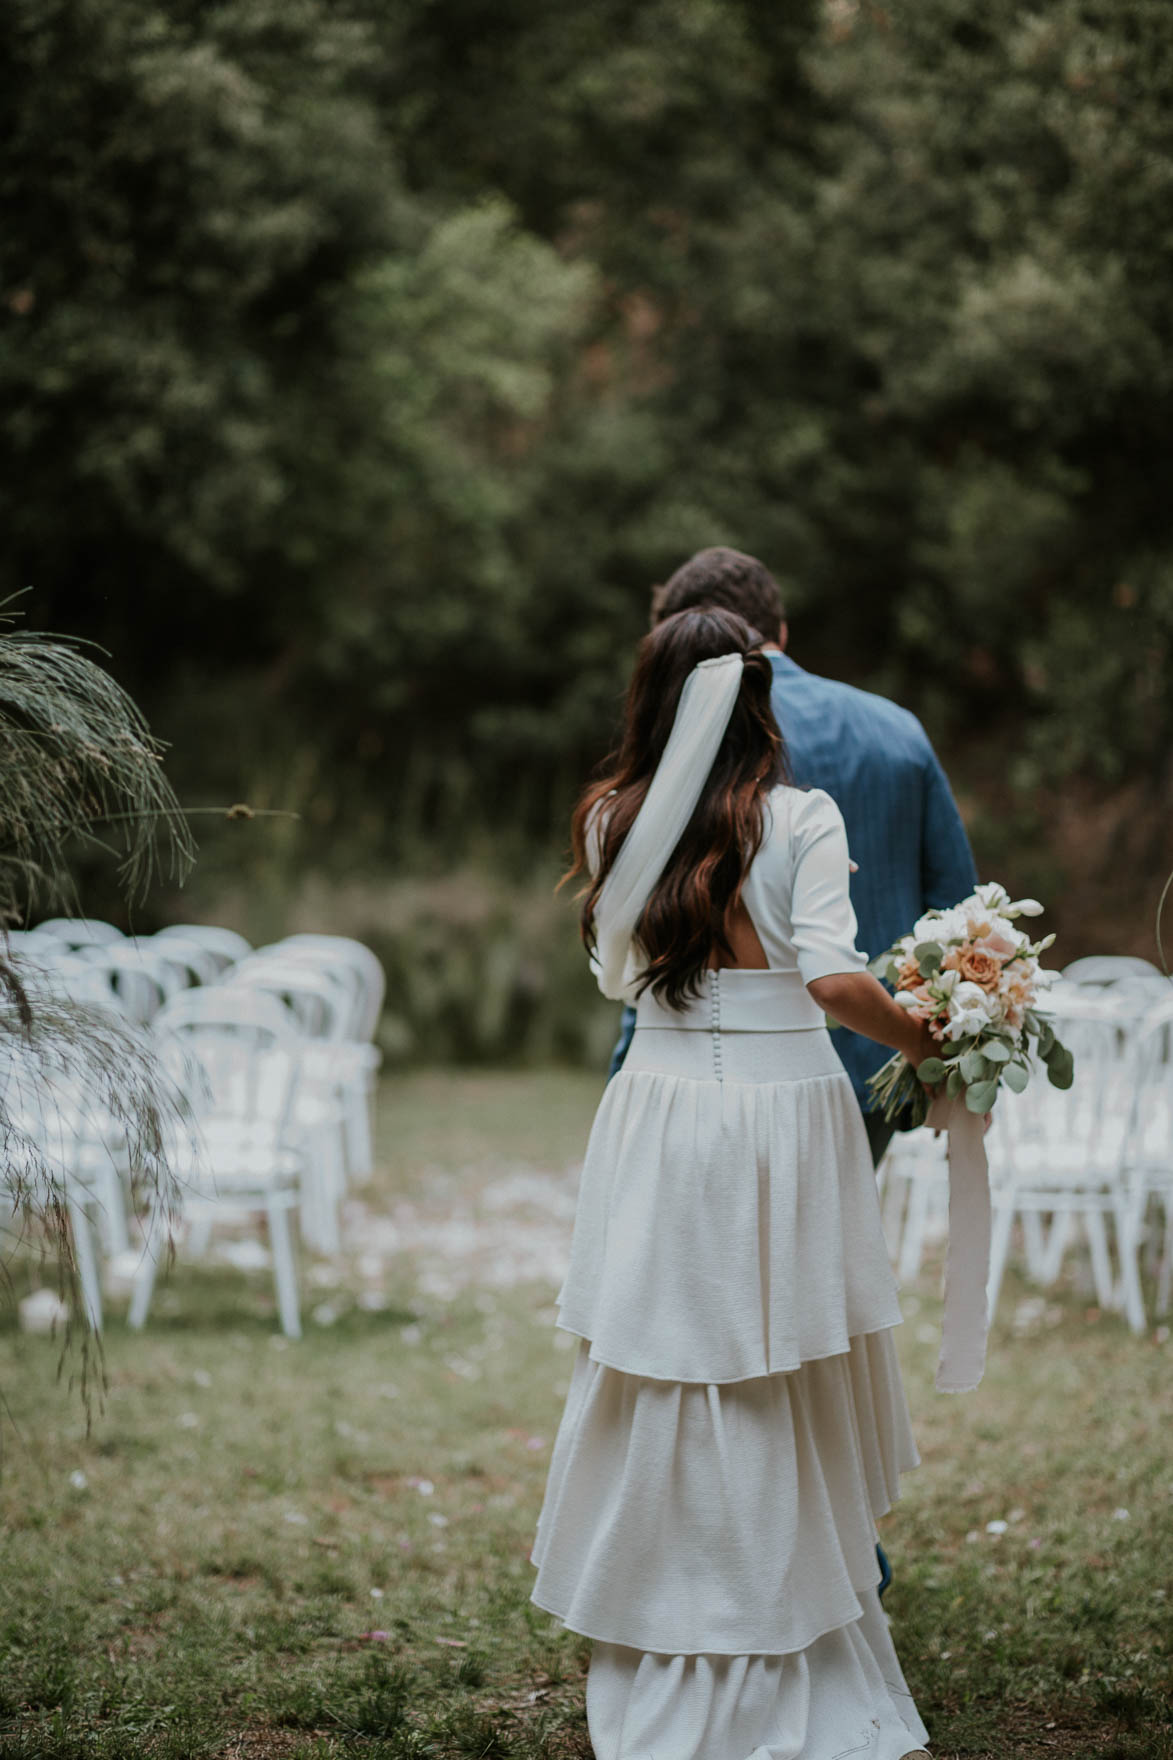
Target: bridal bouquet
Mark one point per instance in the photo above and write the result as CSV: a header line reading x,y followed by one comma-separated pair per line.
x,y
975,978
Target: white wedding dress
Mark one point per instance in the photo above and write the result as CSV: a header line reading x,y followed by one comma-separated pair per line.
x,y
735,1423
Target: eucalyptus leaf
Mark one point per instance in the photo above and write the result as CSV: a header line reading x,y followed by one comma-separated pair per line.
x,y
982,1095
1061,1068
1016,1076
974,1067
955,1083
996,1051
928,956
932,1071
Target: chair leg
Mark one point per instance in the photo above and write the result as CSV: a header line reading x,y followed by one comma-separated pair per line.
x,y
359,1144
284,1271
198,1236
323,1188
1056,1245
1004,1209
1097,1240
112,1209
913,1237
1128,1244
148,1270
1034,1244
1165,1274
86,1259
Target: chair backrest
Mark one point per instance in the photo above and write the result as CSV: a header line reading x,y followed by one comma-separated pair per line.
x,y
233,1054
321,1004
197,963
359,957
136,982
78,932
1109,968
224,944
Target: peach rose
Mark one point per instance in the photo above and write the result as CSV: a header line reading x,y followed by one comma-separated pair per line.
x,y
908,977
979,967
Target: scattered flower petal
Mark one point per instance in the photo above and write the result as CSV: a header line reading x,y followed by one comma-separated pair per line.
x,y
78,1480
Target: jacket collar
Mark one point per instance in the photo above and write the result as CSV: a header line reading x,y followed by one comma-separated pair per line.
x,y
783,665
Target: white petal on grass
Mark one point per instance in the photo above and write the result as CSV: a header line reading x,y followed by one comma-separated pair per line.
x,y
78,1480
437,1520
295,1518
996,1527
188,1420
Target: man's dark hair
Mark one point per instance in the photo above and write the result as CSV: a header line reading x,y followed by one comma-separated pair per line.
x,y
726,578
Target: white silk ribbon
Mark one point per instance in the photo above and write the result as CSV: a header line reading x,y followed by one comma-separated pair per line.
x,y
702,715
967,1262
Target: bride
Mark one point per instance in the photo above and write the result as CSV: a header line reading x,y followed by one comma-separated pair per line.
x,y
735,1423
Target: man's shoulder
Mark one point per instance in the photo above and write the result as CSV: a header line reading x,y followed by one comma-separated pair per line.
x,y
864,710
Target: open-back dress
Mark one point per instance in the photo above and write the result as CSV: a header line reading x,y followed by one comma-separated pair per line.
x,y
735,1423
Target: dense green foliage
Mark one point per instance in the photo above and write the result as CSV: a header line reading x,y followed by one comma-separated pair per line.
x,y
363,364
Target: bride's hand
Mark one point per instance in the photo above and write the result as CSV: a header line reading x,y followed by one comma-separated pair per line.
x,y
926,1046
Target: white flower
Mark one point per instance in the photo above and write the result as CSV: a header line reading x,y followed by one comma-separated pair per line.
x,y
970,1010
940,926
992,895
945,983
1024,907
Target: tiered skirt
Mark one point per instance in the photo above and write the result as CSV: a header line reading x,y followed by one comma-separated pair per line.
x,y
735,1424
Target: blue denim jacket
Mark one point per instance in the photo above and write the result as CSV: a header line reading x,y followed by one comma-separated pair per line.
x,y
903,828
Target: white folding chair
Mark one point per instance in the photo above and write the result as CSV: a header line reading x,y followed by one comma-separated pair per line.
x,y
914,1190
237,1060
320,1006
356,1066
343,950
1058,1157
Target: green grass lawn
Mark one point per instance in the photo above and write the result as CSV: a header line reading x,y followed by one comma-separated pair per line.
x,y
320,1549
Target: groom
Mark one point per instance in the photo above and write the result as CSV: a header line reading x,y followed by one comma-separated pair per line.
x,y
874,760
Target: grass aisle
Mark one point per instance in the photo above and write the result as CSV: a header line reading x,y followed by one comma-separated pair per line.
x,y
321,1549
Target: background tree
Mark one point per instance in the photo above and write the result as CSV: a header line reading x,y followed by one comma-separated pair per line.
x,y
363,365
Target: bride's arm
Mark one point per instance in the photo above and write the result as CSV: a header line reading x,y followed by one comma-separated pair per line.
x,y
859,1001
823,926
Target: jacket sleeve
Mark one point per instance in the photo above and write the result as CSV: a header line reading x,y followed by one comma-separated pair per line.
x,y
947,866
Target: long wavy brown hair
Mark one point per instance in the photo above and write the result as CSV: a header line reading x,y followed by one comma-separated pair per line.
x,y
683,924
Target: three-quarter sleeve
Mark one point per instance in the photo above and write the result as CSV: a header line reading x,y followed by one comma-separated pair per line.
x,y
822,920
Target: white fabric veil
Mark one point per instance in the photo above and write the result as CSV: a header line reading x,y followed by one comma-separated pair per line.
x,y
702,715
